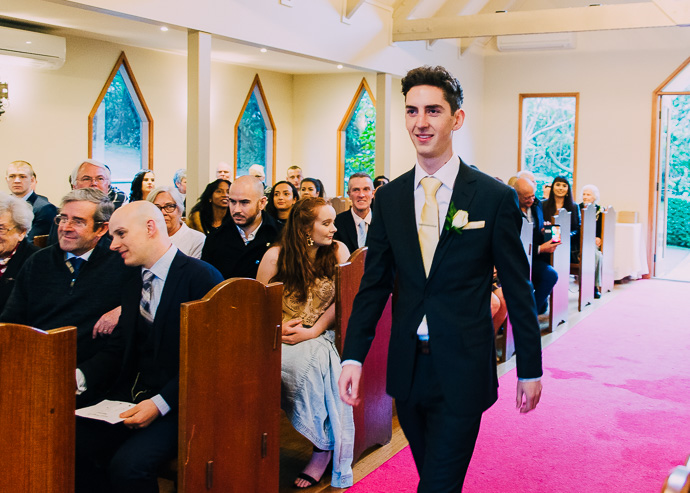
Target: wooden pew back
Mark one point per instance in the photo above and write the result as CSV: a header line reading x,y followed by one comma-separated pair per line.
x,y
608,247
37,402
374,415
560,260
341,204
585,278
230,353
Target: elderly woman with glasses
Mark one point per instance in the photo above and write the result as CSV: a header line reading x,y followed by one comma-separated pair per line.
x,y
15,221
170,202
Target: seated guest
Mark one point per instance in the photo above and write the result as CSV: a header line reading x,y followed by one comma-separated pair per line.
x,y
305,262
353,225
77,281
92,173
590,196
188,241
561,197
223,171
380,181
283,197
142,184
294,176
141,362
544,277
21,180
180,181
311,187
211,211
15,248
237,247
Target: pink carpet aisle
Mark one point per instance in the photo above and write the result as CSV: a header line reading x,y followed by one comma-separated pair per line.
x,y
613,417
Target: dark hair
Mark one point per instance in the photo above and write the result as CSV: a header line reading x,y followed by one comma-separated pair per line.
x,y
270,206
135,192
204,206
550,203
295,270
438,77
317,185
380,180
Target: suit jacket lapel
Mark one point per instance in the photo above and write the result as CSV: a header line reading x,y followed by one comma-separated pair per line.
x,y
463,193
166,302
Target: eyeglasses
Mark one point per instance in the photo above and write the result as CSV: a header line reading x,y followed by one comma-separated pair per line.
x,y
75,222
169,208
89,180
4,230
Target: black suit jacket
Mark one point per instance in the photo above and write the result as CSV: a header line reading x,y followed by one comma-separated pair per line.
x,y
455,297
188,279
347,231
44,214
24,251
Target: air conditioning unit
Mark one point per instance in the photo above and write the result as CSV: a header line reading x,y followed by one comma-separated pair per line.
x,y
525,42
33,49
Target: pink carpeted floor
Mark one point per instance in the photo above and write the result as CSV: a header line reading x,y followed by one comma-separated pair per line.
x,y
613,416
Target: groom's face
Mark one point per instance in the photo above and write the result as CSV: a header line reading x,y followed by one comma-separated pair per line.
x,y
430,122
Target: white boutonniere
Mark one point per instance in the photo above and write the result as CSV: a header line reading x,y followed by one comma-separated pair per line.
x,y
459,220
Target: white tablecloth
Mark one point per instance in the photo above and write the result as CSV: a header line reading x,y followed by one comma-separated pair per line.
x,y
630,258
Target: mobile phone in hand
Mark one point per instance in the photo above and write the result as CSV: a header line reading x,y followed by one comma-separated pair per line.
x,y
556,234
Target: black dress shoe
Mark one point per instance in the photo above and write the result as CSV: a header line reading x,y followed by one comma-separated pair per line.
x,y
597,293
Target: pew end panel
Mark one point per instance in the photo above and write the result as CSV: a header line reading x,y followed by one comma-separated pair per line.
x,y
585,268
374,415
560,260
37,404
608,247
230,354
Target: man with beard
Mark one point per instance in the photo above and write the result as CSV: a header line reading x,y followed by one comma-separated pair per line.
x,y
237,247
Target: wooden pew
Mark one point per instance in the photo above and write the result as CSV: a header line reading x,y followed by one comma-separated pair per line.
x,y
608,247
229,424
37,403
584,270
374,415
41,241
506,344
340,204
560,260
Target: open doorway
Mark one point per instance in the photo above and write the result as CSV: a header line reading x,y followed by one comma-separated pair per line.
x,y
671,172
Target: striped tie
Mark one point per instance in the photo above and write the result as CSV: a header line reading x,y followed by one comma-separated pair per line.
x,y
145,304
428,228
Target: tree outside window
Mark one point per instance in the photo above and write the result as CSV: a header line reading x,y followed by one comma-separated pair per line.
x,y
255,135
120,127
358,131
548,136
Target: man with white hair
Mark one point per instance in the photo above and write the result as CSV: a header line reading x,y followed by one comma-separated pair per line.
x,y
92,173
224,171
141,363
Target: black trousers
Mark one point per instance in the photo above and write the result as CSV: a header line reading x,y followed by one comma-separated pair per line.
x,y
441,439
113,458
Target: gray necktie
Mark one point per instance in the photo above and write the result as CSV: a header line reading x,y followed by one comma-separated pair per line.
x,y
361,234
146,291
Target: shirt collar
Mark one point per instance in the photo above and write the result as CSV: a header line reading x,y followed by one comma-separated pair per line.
x,y
161,268
86,256
366,219
447,173
250,237
28,194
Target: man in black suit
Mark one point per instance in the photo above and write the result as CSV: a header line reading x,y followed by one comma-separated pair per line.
x,y
441,358
353,225
141,361
237,247
21,180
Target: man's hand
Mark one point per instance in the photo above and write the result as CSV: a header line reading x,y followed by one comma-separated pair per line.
x,y
531,391
548,247
141,415
107,323
348,385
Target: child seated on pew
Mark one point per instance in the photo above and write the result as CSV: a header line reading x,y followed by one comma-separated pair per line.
x,y
305,261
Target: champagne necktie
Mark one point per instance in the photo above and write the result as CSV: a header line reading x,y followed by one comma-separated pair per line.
x,y
428,228
361,234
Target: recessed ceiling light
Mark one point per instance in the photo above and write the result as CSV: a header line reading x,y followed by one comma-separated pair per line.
x,y
28,42
164,29
263,50
339,66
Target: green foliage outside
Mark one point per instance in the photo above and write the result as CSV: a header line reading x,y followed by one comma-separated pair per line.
x,y
251,138
548,138
122,122
360,139
678,225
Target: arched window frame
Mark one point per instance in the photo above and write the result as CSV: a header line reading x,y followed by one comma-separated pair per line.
x,y
342,129
258,91
139,104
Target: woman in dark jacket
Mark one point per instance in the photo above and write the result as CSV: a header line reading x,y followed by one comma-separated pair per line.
x,y
561,197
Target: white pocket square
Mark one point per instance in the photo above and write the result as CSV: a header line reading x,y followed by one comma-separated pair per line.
x,y
474,225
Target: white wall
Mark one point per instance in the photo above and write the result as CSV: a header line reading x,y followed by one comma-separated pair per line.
x,y
615,74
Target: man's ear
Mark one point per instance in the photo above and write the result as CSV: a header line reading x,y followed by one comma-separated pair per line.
x,y
262,203
459,117
151,227
102,229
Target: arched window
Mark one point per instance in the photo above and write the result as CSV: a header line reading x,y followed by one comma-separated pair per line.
x,y
255,134
548,137
357,137
121,127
